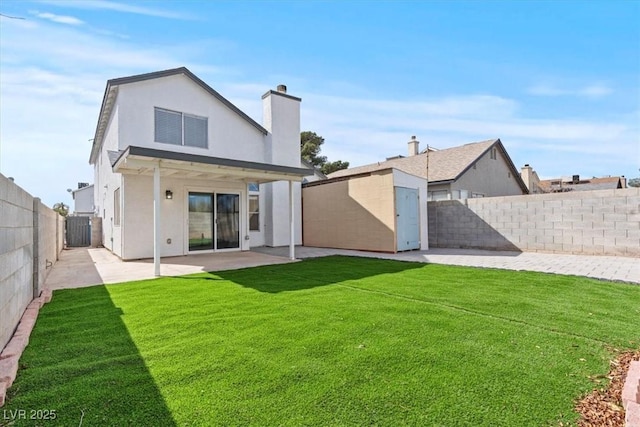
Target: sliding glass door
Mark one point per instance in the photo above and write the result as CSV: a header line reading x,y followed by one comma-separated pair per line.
x,y
228,221
200,221
212,225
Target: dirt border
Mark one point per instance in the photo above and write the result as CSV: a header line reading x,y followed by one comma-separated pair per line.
x,y
10,356
605,406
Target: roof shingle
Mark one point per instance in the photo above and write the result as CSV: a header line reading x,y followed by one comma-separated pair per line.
x,y
436,166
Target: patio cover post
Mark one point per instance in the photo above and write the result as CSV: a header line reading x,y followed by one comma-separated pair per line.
x,y
292,247
156,220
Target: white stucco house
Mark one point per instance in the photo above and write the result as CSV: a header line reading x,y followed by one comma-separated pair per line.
x,y
83,200
180,170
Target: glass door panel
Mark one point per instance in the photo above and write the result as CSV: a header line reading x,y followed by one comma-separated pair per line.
x,y
228,221
200,221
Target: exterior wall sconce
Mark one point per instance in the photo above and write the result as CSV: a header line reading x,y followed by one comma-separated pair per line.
x,y
168,194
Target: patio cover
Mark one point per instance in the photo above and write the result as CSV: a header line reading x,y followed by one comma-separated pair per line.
x,y
152,162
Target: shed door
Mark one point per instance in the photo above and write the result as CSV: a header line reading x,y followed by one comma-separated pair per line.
x,y
407,219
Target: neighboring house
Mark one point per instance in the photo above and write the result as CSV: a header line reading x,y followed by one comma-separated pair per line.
x,y
83,200
480,169
181,170
317,173
383,210
561,185
531,179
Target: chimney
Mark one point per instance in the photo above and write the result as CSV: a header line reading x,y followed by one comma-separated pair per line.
x,y
575,179
526,174
414,146
623,181
281,118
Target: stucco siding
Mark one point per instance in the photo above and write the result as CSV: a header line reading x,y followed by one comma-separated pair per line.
x,y
357,213
490,177
138,214
83,200
278,211
106,183
229,135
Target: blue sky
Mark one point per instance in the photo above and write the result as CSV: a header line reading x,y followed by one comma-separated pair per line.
x,y
558,82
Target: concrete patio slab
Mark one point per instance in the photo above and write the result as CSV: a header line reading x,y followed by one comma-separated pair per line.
x,y
83,267
624,269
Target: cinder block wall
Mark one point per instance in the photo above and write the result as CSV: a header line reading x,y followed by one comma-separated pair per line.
x,y
604,222
51,228
17,256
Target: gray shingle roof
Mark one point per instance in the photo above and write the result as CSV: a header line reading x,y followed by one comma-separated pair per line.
x,y
443,165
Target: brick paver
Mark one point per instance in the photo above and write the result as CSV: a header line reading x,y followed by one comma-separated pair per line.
x,y
617,268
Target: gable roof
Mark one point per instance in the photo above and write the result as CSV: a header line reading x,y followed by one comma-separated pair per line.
x,y
316,170
111,92
441,166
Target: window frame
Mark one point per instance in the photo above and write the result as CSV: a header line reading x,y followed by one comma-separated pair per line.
x,y
182,127
254,193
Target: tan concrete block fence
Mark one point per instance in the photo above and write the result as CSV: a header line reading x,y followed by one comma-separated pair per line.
x,y
601,222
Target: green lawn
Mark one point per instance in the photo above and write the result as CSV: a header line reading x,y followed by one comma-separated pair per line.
x,y
329,341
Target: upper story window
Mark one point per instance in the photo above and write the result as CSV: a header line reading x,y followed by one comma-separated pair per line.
x,y
173,127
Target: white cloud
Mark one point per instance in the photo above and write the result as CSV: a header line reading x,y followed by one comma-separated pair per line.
x,y
59,19
53,79
596,90
365,131
119,7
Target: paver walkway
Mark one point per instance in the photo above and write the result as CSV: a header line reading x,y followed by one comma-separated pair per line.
x,y
86,267
624,269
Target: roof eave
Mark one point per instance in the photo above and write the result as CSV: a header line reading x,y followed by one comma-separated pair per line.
x,y
153,153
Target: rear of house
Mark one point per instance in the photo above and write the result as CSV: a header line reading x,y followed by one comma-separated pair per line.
x,y
180,170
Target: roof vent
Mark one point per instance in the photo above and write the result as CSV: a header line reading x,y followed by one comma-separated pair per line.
x,y
282,88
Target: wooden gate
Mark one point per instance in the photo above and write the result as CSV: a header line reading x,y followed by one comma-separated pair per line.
x,y
78,231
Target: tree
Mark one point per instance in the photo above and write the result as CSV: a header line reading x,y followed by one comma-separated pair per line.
x,y
310,146
331,167
634,182
61,208
310,143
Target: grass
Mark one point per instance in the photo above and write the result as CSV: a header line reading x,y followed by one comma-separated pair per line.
x,y
329,341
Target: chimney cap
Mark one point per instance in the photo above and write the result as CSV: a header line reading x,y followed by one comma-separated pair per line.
x,y
282,88
526,165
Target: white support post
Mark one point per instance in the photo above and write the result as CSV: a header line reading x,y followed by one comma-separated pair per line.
x,y
156,220
292,241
